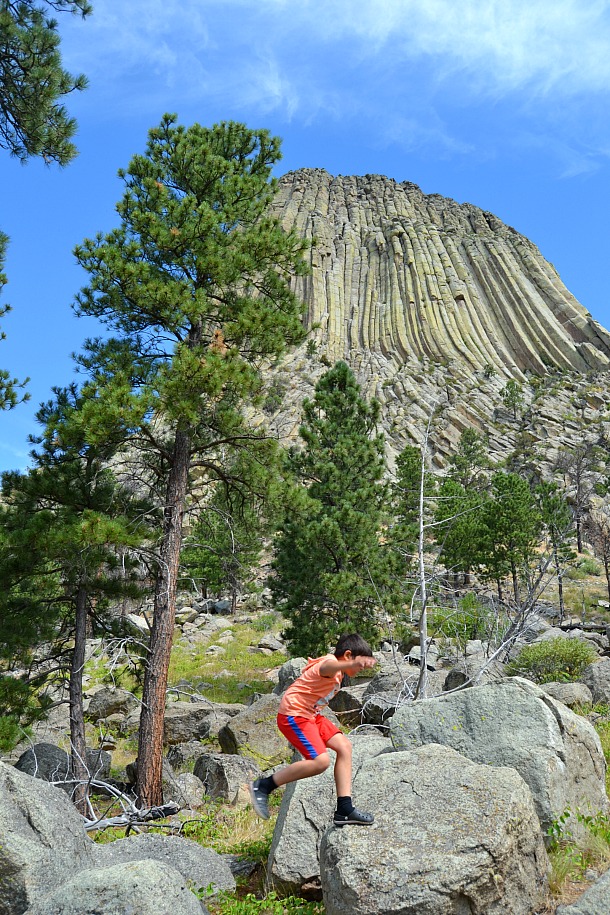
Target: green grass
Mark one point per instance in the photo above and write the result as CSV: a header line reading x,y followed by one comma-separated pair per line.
x,y
191,663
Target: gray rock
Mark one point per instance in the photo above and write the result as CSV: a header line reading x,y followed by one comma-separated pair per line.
x,y
254,733
347,705
40,830
185,721
515,723
189,791
288,673
450,837
142,887
136,625
52,764
594,901
181,755
473,672
597,677
225,777
273,643
571,694
201,866
222,606
306,812
111,702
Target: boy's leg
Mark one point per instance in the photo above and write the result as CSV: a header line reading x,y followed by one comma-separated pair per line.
x,y
304,737
346,814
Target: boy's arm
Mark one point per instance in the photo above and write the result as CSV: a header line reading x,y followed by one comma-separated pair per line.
x,y
330,666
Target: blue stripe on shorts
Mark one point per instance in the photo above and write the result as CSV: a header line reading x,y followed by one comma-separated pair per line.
x,y
301,736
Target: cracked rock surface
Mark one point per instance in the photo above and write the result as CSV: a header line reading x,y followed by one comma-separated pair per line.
x,y
451,837
515,723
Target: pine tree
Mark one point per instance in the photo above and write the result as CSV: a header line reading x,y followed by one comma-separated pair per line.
x,y
512,527
68,528
459,530
33,82
330,567
559,526
9,387
194,288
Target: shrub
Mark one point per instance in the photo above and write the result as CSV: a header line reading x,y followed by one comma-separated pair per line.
x,y
469,620
554,659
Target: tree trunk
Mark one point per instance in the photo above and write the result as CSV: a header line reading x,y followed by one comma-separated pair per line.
x,y
150,743
559,572
516,584
78,744
578,534
607,570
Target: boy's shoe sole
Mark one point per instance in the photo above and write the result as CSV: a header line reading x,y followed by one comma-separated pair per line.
x,y
260,800
355,818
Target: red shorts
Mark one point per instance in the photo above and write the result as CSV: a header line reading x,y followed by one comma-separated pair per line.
x,y
309,736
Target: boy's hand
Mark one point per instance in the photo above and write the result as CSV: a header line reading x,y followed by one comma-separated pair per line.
x,y
361,662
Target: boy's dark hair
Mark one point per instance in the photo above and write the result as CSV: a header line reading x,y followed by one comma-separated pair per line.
x,y
355,643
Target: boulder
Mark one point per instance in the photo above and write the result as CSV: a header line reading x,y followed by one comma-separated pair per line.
x,y
597,677
225,777
189,791
473,671
186,721
594,901
145,887
254,733
347,705
202,867
107,702
571,694
40,831
515,723
272,643
450,836
52,764
288,673
181,755
306,812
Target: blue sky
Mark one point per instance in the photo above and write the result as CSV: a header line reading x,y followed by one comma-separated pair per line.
x,y
501,103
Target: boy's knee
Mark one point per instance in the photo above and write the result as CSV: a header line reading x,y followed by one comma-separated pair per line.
x,y
321,762
343,745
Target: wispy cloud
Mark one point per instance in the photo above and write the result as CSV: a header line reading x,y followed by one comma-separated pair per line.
x,y
404,63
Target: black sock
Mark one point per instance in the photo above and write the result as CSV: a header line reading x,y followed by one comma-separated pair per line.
x,y
267,784
344,806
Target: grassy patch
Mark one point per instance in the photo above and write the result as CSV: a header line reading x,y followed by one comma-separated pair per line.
x,y
232,676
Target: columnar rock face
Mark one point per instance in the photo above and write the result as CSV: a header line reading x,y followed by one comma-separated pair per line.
x,y
404,274
434,305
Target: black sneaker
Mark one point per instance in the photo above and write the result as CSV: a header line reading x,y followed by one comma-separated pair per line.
x,y
355,818
260,799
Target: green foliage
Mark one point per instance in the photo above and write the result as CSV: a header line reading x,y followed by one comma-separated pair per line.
x,y
18,709
573,852
559,659
469,463
460,529
33,83
9,387
328,556
468,620
406,493
271,904
512,396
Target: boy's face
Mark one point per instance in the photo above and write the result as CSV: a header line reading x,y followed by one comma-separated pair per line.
x,y
361,662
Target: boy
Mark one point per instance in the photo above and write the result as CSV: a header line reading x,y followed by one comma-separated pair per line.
x,y
299,719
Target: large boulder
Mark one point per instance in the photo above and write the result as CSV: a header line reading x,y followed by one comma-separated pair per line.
x,y
40,831
142,887
254,733
515,723
597,677
108,701
288,673
186,721
226,776
202,867
52,764
305,814
450,836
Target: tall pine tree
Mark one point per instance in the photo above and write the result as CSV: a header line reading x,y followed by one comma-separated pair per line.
x,y
330,566
194,287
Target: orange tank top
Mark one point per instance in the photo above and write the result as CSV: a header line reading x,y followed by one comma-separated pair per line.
x,y
310,692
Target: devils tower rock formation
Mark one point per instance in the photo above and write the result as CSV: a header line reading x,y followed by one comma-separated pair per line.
x,y
430,301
